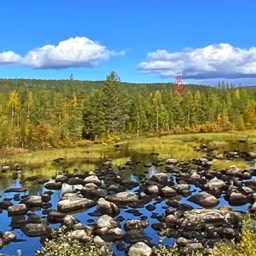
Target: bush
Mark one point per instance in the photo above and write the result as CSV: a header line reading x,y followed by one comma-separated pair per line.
x,y
62,244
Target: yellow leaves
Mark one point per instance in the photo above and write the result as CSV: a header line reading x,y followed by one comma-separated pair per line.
x,y
29,99
237,94
74,101
13,99
197,99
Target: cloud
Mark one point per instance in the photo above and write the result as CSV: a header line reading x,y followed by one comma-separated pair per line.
x,y
9,57
212,62
74,52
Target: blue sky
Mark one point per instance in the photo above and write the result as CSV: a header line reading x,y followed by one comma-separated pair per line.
x,y
141,40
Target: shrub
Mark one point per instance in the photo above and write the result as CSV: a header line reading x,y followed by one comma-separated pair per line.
x,y
62,244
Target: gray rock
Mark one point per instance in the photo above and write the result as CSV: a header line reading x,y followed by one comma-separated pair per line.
x,y
35,229
233,170
80,235
204,199
18,209
159,177
74,204
182,241
171,220
105,221
92,179
106,207
99,241
171,161
135,224
8,237
123,197
17,167
214,184
107,228
5,168
61,178
140,249
168,191
69,220
152,190
31,201
197,219
53,185
237,198
55,216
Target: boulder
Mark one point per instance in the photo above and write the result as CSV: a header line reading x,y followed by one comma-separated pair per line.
x,y
123,198
69,220
75,181
8,237
107,228
171,220
204,199
74,204
16,190
105,221
92,179
168,191
160,177
237,198
152,190
135,235
135,224
80,235
55,217
171,161
17,167
5,204
5,168
61,178
53,185
198,219
92,193
234,171
32,201
35,229
215,184
106,207
18,209
140,249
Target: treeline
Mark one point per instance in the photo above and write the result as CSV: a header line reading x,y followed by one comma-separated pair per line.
x,y
42,113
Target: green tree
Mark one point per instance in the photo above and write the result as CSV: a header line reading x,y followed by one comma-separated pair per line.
x,y
114,104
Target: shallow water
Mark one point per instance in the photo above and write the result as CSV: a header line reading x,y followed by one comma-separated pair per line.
x,y
29,245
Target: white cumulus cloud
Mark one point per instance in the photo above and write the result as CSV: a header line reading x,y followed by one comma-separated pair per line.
x,y
211,62
74,52
9,57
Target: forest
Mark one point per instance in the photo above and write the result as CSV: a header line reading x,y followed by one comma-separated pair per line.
x,y
59,113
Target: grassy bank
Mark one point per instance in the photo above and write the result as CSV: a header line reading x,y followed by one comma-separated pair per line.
x,y
181,147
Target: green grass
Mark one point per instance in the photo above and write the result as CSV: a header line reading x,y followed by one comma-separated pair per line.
x,y
224,164
83,158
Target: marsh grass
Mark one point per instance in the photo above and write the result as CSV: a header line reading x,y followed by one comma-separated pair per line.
x,y
166,147
47,156
224,164
181,147
119,161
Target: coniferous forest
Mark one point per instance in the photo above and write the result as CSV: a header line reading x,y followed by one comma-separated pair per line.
x,y
58,113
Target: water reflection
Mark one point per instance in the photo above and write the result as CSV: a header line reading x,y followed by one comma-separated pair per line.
x,y
30,245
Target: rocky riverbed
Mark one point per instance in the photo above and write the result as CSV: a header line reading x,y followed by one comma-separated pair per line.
x,y
185,201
